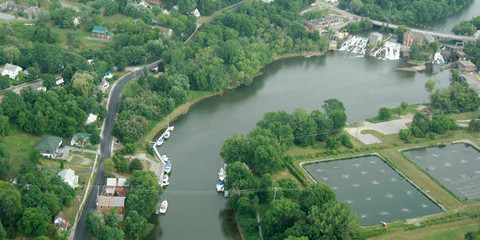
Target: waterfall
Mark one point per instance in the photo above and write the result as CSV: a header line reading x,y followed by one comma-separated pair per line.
x,y
355,44
389,50
438,58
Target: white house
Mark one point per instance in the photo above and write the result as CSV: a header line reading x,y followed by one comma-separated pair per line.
x,y
69,177
116,185
91,118
196,13
60,221
11,70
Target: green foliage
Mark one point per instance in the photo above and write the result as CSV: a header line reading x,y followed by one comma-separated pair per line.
x,y
355,27
292,190
34,156
4,125
345,140
34,222
4,82
135,165
104,227
474,125
430,86
145,195
384,114
48,81
404,12
129,148
3,233
405,134
136,226
467,28
333,143
121,163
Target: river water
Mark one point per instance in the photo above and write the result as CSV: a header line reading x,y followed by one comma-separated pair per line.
x,y
364,84
446,25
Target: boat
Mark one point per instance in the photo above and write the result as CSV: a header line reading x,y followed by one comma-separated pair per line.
x,y
168,167
220,187
165,179
163,207
222,174
166,134
165,158
159,142
170,128
225,194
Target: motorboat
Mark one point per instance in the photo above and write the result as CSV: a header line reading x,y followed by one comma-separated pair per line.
x,y
168,167
220,187
163,207
222,174
159,142
165,158
170,128
166,134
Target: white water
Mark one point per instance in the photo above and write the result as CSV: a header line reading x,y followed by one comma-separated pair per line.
x,y
438,58
355,44
389,50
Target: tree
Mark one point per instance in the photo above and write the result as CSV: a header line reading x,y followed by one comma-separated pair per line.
x,y
145,195
135,165
420,125
281,216
136,226
315,195
384,114
48,81
34,222
4,125
405,134
4,82
11,54
11,208
129,148
3,233
474,125
305,128
356,6
121,163
333,143
83,84
400,31
430,86
335,112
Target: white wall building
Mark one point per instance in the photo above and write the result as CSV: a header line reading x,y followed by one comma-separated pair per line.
x,y
11,70
69,177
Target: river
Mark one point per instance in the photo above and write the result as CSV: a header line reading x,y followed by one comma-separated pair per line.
x,y
364,84
446,25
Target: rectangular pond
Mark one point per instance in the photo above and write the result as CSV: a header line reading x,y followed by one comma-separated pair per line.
x,y
457,166
374,191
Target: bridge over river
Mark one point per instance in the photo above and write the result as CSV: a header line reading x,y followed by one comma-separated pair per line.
x,y
439,35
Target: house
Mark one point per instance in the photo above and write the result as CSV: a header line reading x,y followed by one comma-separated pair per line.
x,y
196,13
321,23
77,139
101,32
11,70
48,146
76,21
69,177
411,37
60,221
107,203
116,186
59,82
466,66
156,1
91,119
375,38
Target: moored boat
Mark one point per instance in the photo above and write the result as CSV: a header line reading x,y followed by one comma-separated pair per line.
x,y
168,167
166,134
159,142
221,174
163,207
220,187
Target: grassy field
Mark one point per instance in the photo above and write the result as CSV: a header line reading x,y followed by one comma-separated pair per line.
x,y
19,145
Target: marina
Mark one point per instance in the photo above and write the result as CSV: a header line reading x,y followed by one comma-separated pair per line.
x,y
162,177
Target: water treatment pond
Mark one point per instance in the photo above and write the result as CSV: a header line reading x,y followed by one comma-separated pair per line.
x,y
374,191
457,166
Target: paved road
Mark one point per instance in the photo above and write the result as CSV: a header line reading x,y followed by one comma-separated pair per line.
x,y
106,146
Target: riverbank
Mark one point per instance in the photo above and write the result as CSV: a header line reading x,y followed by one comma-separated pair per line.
x,y
197,96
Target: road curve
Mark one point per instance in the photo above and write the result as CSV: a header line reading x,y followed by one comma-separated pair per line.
x,y
81,231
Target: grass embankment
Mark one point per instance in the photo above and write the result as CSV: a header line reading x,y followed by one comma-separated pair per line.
x,y
157,126
395,113
19,145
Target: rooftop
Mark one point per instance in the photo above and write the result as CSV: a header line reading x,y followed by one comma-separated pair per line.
x,y
110,201
99,29
320,21
68,174
49,143
466,63
11,67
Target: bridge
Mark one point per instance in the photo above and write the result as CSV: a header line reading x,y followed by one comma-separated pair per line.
x,y
393,26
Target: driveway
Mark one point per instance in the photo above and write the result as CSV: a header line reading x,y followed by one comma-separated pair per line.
x,y
385,128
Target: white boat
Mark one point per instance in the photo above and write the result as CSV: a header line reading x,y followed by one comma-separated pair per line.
x,y
220,187
166,134
170,128
222,174
163,207
165,179
159,142
165,158
168,167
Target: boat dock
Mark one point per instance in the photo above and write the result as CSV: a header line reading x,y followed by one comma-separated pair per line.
x,y
161,174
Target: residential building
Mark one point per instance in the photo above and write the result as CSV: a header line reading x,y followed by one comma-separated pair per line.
x,y
59,82
321,23
69,177
375,38
116,186
467,66
77,139
101,32
107,203
196,13
48,146
91,119
11,70
60,221
76,21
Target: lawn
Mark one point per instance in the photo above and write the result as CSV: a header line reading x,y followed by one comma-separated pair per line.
x,y
19,145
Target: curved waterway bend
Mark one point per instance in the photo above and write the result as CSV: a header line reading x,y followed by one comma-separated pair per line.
x,y
364,84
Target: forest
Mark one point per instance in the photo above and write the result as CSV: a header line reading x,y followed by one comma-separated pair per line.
x,y
467,28
404,11
293,213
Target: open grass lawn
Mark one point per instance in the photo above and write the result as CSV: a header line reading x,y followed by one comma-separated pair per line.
x,y
19,144
82,38
285,174
445,231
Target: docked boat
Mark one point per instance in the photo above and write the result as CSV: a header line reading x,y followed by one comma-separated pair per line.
x,y
220,187
168,167
166,134
222,174
170,128
159,142
163,207
165,158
